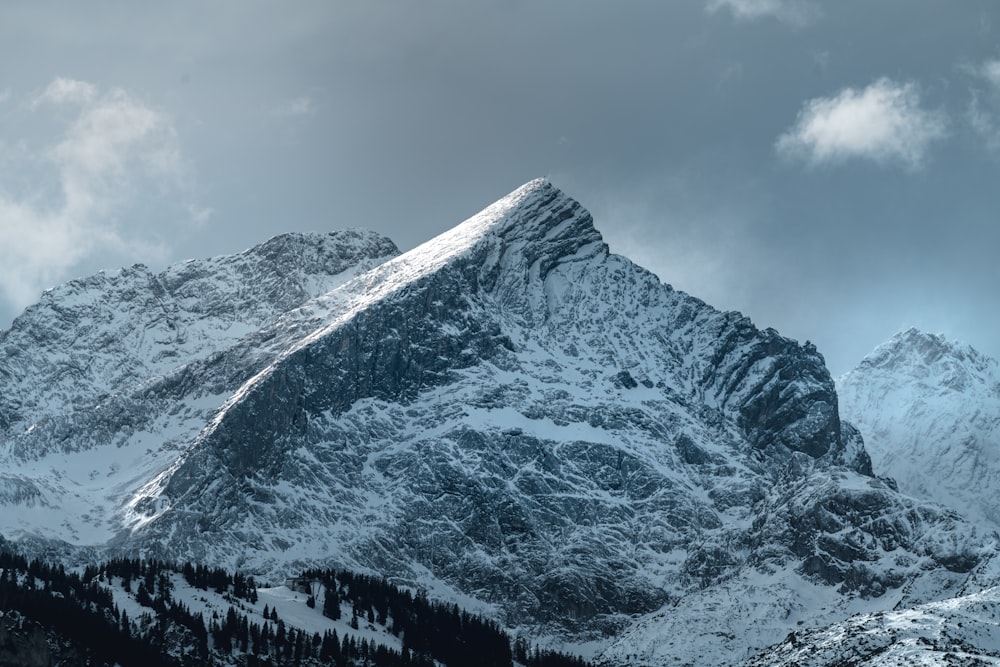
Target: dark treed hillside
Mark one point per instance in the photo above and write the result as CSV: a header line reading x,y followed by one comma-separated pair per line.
x,y
51,616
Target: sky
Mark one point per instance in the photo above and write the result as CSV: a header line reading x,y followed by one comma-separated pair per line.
x,y
829,169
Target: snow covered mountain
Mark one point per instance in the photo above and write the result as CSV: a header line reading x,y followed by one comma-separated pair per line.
x,y
929,410
508,416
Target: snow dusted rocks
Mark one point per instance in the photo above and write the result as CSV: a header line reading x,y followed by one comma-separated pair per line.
x,y
508,416
929,410
960,631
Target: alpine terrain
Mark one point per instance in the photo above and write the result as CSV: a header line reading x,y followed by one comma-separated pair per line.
x,y
929,410
508,417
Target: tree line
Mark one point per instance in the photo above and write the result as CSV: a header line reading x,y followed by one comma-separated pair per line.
x,y
78,610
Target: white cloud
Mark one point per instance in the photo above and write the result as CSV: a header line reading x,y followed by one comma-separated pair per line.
x,y
990,70
110,137
983,122
82,184
883,122
793,12
299,106
63,91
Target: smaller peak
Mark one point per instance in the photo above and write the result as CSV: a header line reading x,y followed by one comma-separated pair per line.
x,y
911,332
321,253
914,334
914,350
352,240
923,341
910,346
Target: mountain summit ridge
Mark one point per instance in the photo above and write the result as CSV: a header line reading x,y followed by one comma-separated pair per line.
x,y
923,352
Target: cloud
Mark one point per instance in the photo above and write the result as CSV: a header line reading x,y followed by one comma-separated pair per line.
x,y
984,107
62,91
990,70
299,106
793,12
822,59
82,184
883,122
199,214
731,74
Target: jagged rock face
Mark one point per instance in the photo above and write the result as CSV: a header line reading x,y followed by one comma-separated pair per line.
x,y
507,413
821,547
97,336
929,410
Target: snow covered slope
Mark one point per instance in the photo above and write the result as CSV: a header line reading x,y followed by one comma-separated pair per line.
x,y
929,410
959,631
72,365
508,416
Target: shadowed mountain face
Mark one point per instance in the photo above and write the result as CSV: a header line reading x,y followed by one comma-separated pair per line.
x,y
507,414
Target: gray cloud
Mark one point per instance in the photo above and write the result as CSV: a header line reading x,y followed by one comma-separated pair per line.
x,y
794,12
883,122
984,107
303,105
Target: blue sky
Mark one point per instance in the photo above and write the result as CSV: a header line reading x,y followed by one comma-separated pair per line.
x,y
827,168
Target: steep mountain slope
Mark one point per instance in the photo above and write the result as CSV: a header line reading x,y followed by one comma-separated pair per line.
x,y
508,416
929,410
72,365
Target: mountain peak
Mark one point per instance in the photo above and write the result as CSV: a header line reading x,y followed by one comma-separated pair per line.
x,y
927,408
917,352
524,233
536,211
